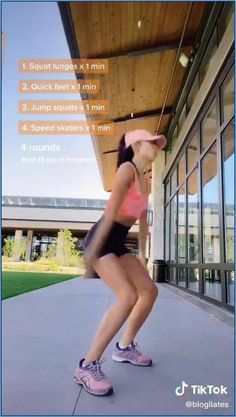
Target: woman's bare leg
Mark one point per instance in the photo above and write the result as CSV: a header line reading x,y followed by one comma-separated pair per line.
x,y
147,291
112,273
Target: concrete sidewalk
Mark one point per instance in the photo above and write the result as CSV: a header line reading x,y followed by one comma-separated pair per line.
x,y
46,332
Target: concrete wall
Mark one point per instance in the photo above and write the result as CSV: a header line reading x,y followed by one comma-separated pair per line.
x,y
51,218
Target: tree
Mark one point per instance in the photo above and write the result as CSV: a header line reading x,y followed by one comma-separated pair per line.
x,y
66,248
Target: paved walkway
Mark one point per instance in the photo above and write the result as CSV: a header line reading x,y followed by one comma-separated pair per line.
x,y
46,332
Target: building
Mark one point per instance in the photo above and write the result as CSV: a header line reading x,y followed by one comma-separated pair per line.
x,y
39,219
176,79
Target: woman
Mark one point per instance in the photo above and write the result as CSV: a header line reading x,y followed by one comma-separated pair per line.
x,y
125,274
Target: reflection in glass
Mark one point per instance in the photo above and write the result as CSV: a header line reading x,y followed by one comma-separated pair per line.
x,y
210,206
208,126
227,92
167,156
193,279
173,275
181,224
181,170
175,135
192,199
224,19
192,153
192,94
167,274
173,232
173,181
208,56
228,159
182,118
181,277
167,231
230,287
167,191
212,283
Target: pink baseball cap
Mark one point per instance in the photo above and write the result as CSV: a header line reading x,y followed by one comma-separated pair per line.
x,y
141,134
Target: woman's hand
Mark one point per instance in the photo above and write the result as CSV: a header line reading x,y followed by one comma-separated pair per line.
x,y
90,258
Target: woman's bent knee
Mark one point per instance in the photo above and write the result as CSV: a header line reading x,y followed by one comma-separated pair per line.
x,y
128,298
155,291
151,291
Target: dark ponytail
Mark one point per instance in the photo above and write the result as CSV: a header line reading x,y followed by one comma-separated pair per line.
x,y
124,154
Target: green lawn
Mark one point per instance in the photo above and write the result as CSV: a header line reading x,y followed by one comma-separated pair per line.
x,y
15,283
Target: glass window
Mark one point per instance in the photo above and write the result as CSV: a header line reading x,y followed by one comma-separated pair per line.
x,y
181,170
173,275
173,182
210,206
208,56
192,153
167,191
71,202
167,233
212,283
173,233
173,139
24,201
167,156
181,224
224,19
208,127
227,97
175,134
193,279
230,287
167,274
181,277
182,118
192,94
228,171
192,200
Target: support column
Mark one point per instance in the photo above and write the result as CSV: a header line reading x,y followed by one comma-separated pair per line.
x,y
18,237
29,245
157,204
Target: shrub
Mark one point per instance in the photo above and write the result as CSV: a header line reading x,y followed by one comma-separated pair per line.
x,y
52,250
8,247
18,248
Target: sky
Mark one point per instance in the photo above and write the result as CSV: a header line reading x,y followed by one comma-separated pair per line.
x,y
34,30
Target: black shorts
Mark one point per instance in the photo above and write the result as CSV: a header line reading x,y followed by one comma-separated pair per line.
x,y
115,241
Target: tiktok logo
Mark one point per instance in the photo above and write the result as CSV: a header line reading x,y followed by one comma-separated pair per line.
x,y
182,389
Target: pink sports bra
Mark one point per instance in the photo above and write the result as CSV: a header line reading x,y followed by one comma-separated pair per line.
x,y
134,203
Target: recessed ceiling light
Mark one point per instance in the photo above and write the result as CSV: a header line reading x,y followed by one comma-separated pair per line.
x,y
183,59
140,24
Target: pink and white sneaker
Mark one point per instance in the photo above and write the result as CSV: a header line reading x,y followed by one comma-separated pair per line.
x,y
92,378
131,354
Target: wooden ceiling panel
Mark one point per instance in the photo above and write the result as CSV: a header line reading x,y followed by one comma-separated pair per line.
x,y
107,27
139,83
136,83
